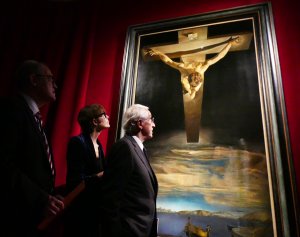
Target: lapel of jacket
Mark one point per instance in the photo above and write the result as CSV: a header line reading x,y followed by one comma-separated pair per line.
x,y
88,146
36,128
145,161
33,121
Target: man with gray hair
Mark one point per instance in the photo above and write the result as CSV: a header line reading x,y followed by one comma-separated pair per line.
x,y
129,184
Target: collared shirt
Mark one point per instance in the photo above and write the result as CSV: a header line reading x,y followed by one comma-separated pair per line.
x,y
31,103
139,142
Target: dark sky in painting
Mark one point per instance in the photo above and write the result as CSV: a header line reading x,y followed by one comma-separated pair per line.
x,y
231,102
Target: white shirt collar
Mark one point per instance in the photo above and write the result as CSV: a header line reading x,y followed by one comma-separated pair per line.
x,y
31,103
139,142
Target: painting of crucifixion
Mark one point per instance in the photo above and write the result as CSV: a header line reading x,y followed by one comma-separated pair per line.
x,y
206,83
202,85
192,48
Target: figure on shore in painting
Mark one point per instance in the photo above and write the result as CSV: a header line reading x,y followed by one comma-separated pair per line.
x,y
196,231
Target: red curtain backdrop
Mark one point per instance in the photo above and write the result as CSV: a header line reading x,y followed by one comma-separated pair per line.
x,y
83,43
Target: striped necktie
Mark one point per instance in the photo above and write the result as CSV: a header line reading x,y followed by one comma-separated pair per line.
x,y
38,118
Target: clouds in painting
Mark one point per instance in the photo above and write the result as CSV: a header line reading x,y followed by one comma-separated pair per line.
x,y
217,176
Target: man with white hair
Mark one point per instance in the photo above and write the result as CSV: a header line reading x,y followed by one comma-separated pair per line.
x,y
129,183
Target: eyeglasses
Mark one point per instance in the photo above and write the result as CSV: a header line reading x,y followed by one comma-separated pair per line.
x,y
48,77
152,119
103,114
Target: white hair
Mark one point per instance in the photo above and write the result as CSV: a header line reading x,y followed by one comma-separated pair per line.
x,y
132,115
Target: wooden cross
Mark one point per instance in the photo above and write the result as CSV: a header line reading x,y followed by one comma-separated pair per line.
x,y
193,46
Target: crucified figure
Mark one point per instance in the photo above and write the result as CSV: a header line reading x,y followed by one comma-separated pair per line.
x,y
192,73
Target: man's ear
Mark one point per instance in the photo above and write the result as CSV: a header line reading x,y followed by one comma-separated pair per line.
x,y
139,124
33,80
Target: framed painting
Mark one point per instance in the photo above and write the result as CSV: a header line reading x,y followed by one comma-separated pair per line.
x,y
220,148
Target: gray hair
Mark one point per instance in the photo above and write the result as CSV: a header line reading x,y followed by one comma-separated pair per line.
x,y
132,115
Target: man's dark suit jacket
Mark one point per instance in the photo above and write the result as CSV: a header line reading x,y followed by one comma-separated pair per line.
x,y
26,178
129,192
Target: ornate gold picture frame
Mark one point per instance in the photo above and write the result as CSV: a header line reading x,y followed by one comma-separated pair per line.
x,y
221,145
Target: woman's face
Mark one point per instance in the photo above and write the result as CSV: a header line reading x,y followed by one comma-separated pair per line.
x,y
102,122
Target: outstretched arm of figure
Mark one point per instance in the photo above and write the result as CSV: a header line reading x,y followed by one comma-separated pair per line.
x,y
223,52
164,58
